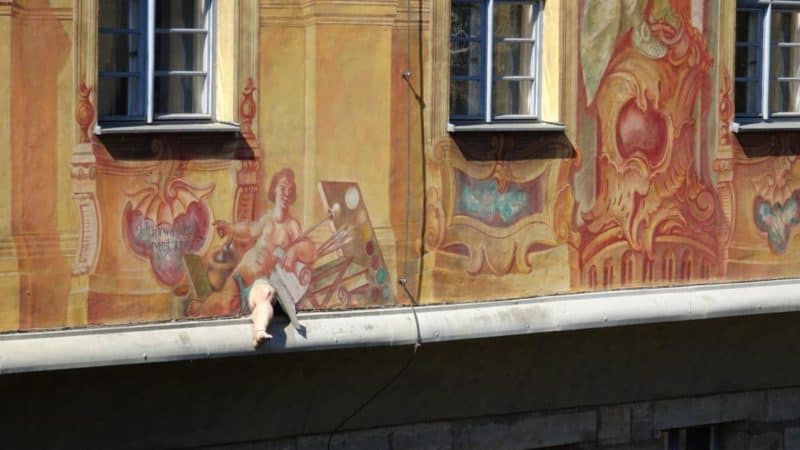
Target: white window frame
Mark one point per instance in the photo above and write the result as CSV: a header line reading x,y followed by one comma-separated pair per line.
x,y
487,78
765,8
147,73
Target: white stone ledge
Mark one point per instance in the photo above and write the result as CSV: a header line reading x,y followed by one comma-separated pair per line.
x,y
121,345
507,126
174,127
759,126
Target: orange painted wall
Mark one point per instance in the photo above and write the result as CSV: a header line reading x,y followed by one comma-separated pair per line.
x,y
646,187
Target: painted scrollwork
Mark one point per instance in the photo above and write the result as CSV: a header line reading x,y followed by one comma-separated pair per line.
x,y
645,110
83,171
434,220
498,206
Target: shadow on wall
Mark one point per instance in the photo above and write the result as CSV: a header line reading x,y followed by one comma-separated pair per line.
x,y
486,147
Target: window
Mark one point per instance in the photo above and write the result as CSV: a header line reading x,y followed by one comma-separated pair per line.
x,y
155,60
692,438
767,67
494,60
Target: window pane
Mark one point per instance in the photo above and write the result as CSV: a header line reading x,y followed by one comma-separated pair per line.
x,y
747,27
785,26
179,94
118,52
181,13
747,97
465,20
784,62
513,58
784,96
465,58
512,97
118,96
747,64
119,14
514,20
180,51
465,98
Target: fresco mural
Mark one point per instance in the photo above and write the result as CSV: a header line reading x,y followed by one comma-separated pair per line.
x,y
188,253
667,199
648,186
654,217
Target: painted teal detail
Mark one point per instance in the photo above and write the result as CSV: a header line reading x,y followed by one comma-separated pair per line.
x,y
483,201
777,220
380,276
244,292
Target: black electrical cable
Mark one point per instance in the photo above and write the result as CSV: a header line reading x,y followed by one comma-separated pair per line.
x,y
375,395
403,281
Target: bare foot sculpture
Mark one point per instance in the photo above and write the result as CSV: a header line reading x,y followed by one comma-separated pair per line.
x,y
261,299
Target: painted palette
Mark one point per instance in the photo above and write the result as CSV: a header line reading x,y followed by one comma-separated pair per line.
x,y
351,270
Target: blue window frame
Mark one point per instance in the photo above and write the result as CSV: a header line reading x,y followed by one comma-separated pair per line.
x,y
495,48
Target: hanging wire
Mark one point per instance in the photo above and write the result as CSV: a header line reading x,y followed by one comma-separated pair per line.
x,y
403,282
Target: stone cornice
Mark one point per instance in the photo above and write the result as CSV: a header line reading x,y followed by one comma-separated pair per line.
x,y
9,8
13,8
413,13
345,12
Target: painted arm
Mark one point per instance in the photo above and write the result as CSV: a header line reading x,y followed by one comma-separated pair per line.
x,y
301,249
240,231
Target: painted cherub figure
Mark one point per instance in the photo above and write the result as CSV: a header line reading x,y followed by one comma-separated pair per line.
x,y
277,232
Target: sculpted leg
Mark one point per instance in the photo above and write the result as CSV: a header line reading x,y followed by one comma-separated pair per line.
x,y
260,301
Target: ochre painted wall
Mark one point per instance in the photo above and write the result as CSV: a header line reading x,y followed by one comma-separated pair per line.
x,y
646,186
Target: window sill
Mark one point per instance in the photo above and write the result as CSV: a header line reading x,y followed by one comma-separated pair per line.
x,y
210,127
511,126
758,125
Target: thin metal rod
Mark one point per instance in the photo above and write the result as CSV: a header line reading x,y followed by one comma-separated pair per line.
x,y
765,46
151,25
489,47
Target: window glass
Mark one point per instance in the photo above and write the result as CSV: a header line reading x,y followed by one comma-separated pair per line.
x,y
179,94
747,67
784,95
513,97
512,50
116,96
465,58
120,14
180,39
513,20
181,13
118,52
120,58
465,20
513,58
465,98
180,51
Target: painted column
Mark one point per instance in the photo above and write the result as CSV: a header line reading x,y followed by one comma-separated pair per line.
x,y
9,275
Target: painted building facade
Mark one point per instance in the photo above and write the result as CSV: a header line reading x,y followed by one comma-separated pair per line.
x,y
645,186
356,154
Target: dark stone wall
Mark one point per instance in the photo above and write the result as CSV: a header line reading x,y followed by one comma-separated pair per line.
x,y
224,401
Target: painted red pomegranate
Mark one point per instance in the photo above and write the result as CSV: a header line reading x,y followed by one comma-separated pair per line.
x,y
641,132
166,220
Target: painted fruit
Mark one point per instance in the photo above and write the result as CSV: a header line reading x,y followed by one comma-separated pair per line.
x,y
642,132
